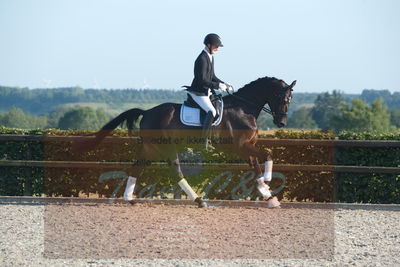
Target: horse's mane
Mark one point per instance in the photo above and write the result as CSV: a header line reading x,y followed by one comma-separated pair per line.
x,y
257,83
251,91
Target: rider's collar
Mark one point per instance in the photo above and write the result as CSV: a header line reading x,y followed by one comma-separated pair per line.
x,y
208,53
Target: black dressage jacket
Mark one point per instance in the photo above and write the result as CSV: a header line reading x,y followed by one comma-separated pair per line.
x,y
204,76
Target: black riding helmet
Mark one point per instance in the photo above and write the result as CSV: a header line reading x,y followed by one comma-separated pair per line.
x,y
213,39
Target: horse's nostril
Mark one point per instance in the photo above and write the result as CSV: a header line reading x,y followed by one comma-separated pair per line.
x,y
281,124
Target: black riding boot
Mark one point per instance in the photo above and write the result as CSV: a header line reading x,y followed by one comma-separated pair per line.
x,y
207,127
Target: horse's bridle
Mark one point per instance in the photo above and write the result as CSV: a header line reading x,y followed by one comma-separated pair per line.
x,y
267,110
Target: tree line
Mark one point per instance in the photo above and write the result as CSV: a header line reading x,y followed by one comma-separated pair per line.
x,y
66,108
331,112
32,100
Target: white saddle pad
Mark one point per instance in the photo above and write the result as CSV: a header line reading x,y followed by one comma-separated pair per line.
x,y
191,116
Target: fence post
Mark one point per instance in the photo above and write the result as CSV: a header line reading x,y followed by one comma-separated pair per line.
x,y
333,161
28,172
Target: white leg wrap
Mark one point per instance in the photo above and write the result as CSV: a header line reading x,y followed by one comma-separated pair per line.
x,y
273,203
268,171
130,186
187,189
263,188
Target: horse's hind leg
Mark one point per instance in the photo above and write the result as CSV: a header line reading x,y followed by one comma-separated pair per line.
x,y
136,170
186,187
130,187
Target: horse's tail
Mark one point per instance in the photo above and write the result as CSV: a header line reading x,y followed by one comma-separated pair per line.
x,y
130,116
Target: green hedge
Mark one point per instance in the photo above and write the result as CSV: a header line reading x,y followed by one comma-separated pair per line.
x,y
370,188
213,183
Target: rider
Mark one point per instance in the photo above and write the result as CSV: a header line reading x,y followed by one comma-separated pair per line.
x,y
205,81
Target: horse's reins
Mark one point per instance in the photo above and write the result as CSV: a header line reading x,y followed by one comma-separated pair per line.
x,y
267,110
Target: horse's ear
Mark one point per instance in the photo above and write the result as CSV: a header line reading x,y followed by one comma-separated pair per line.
x,y
292,85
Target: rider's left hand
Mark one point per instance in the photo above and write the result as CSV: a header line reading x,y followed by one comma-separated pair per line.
x,y
229,87
223,86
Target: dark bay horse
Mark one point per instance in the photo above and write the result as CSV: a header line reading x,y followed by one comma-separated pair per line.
x,y
241,110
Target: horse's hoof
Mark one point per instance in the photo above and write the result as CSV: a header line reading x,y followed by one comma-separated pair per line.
x,y
201,203
273,202
132,202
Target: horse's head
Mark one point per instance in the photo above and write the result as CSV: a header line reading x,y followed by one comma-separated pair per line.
x,y
279,102
275,92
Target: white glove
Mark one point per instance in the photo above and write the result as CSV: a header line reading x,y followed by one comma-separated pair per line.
x,y
222,86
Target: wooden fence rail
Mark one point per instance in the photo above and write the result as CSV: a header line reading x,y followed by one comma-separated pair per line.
x,y
214,166
261,141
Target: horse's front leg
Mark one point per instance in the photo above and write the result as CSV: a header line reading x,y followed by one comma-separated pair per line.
x,y
254,154
267,175
186,187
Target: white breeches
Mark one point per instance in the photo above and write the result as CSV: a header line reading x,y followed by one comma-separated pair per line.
x,y
204,102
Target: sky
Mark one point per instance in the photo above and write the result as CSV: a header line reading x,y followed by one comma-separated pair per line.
x,y
346,45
